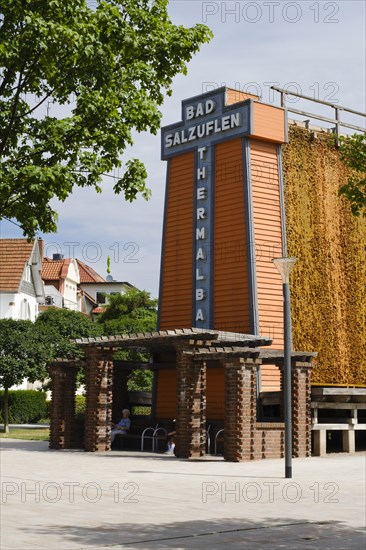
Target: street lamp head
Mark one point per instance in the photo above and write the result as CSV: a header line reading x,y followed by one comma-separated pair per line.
x,y
285,266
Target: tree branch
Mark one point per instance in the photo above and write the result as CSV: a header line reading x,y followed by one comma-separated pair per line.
x,y
6,79
36,106
12,118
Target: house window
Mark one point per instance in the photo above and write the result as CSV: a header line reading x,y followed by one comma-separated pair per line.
x,y
27,275
101,298
25,312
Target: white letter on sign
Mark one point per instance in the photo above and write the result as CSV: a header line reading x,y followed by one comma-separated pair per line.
x,y
200,294
210,106
199,316
201,193
190,112
200,254
201,213
201,151
200,233
201,173
199,111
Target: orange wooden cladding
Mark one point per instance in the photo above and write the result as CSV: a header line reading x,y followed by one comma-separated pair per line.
x,y
166,394
269,122
215,393
176,299
230,284
231,299
235,96
268,245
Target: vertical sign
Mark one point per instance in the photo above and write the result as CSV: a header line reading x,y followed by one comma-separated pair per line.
x,y
206,121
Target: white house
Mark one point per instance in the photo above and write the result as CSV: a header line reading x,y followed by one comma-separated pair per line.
x,y
100,291
63,275
80,286
21,286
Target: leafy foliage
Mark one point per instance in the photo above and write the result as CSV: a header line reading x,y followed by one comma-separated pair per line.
x,y
25,406
328,299
24,352
134,311
353,153
63,325
104,73
80,406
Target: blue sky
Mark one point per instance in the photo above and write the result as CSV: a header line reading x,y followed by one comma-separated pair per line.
x,y
317,48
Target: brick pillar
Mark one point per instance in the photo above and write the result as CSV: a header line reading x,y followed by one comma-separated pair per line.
x,y
98,414
62,417
56,413
120,392
69,408
301,407
240,408
191,407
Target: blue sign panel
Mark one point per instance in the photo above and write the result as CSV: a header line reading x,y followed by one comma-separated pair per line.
x,y
206,119
205,122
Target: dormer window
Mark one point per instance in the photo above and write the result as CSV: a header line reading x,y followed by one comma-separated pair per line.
x,y
27,274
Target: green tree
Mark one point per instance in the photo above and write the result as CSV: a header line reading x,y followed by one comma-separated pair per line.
x,y
24,352
134,311
353,153
63,325
74,83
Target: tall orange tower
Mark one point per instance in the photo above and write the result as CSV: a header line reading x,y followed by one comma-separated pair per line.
x,y
224,218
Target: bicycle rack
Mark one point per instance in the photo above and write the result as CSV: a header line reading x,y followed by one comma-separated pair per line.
x,y
145,436
208,440
216,436
155,437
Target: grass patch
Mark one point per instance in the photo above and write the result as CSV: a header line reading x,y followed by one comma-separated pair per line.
x,y
35,434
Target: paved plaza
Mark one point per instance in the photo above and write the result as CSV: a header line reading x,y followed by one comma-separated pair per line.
x,y
76,500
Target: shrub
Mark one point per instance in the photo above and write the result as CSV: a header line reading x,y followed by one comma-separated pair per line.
x,y
25,406
80,403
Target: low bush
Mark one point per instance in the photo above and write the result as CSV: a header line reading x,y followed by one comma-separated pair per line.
x,y
25,406
80,407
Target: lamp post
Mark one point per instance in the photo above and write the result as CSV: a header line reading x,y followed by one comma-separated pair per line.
x,y
285,266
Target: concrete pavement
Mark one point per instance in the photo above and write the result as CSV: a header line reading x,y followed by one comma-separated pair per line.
x,y
76,500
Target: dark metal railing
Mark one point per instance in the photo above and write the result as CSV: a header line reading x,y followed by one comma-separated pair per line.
x,y
337,108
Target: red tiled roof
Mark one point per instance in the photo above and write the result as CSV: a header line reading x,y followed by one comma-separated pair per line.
x,y
51,269
14,253
98,309
88,274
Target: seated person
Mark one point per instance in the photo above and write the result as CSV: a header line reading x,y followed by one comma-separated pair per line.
x,y
170,441
123,425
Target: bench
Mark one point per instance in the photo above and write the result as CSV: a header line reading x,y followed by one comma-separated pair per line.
x,y
343,406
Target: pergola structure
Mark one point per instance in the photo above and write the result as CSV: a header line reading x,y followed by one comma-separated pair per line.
x,y
192,351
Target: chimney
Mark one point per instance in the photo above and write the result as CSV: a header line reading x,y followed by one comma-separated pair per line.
x,y
57,256
41,247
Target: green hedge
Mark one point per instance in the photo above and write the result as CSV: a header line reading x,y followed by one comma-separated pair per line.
x,y
80,403
25,406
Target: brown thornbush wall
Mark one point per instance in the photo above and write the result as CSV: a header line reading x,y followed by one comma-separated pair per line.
x,y
328,294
